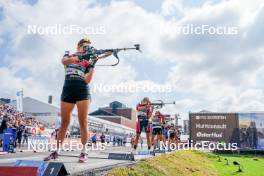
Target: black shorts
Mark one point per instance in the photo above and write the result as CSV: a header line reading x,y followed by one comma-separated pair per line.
x,y
157,131
74,91
143,124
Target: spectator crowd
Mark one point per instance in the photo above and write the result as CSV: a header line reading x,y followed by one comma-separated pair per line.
x,y
11,118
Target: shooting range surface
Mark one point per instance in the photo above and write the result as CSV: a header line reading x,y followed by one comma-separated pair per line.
x,y
96,160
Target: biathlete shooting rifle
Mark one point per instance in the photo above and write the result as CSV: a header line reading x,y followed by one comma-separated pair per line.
x,y
91,54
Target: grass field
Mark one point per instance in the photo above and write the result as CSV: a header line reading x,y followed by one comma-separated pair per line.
x,y
251,165
193,163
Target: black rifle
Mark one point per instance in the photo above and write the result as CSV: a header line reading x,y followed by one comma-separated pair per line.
x,y
158,105
91,53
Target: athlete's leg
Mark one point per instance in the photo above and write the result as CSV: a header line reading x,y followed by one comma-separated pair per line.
x,y
163,136
152,139
176,141
136,140
148,140
169,142
148,130
82,107
66,109
138,132
160,138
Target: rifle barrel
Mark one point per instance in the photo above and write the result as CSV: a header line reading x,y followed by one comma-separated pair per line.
x,y
158,104
125,48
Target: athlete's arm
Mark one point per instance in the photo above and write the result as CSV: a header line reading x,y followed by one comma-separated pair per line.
x,y
66,60
163,120
141,107
88,76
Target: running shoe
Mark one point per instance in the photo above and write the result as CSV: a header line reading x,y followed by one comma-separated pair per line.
x,y
53,155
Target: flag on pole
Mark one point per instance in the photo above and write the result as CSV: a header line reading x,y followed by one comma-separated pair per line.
x,y
19,100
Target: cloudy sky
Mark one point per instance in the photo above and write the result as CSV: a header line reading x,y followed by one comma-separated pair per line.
x,y
216,72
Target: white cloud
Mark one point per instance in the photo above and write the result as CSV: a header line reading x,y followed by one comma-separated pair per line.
x,y
170,7
207,72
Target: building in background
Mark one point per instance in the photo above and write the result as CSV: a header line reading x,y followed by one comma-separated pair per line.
x,y
118,113
4,100
43,112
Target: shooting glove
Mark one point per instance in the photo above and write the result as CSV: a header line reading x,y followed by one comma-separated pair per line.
x,y
92,62
89,53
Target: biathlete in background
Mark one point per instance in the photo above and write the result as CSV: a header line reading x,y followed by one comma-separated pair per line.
x,y
178,136
165,136
172,135
144,112
157,123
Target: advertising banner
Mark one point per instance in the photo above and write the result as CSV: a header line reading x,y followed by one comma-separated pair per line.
x,y
251,130
214,127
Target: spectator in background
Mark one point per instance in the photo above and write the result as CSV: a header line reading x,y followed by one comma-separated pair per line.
x,y
56,133
114,140
13,115
102,137
94,139
20,128
119,141
107,137
25,136
124,140
2,128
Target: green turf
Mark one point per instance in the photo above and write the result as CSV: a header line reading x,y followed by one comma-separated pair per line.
x,y
178,163
251,165
194,163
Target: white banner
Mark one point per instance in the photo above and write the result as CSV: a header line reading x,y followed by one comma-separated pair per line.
x,y
19,100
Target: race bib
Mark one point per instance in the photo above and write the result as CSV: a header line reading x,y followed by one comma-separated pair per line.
x,y
142,113
74,71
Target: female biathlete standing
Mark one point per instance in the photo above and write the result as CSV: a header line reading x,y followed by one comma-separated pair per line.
x,y
78,74
144,113
157,123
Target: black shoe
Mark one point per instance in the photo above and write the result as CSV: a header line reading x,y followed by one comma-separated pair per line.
x,y
149,147
54,155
